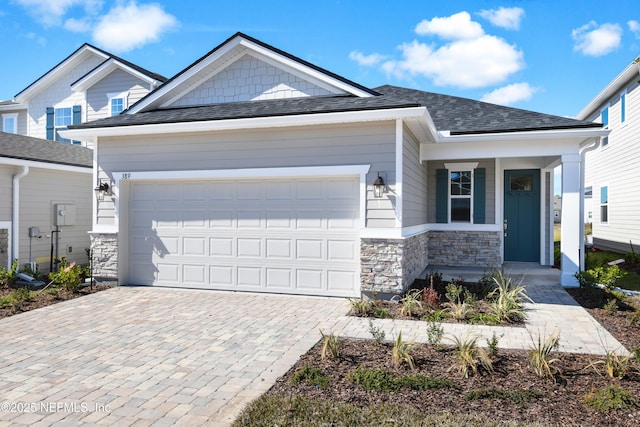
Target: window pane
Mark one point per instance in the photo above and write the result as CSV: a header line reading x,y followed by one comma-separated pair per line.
x,y
605,117
604,195
117,105
521,183
461,183
62,117
623,107
604,213
10,125
461,210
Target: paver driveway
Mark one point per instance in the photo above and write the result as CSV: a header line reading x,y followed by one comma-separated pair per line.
x,y
148,356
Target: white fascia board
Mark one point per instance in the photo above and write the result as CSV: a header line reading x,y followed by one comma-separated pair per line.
x,y
53,74
301,70
621,80
44,165
182,78
250,123
104,70
12,107
446,137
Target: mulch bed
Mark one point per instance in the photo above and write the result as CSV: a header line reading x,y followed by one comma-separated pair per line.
x,y
43,299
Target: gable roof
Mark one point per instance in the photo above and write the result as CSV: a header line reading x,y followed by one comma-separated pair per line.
x,y
40,150
75,56
225,53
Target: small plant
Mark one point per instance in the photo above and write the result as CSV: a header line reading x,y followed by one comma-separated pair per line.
x,y
430,297
484,319
436,315
492,344
435,332
8,276
610,398
611,307
410,303
361,307
330,346
607,276
539,355
382,380
17,298
69,276
423,382
377,333
454,293
614,366
310,375
459,310
470,356
380,312
508,298
401,353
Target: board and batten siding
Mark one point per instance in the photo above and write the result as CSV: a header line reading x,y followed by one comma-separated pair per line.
x,y
414,182
490,196
116,82
616,166
40,190
59,93
363,144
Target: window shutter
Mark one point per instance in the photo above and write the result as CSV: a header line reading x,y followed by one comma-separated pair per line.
x,y
479,195
50,134
76,118
442,195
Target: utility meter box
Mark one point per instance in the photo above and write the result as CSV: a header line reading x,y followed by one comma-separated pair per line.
x,y
64,214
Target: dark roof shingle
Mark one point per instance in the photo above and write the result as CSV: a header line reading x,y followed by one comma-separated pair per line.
x,y
41,150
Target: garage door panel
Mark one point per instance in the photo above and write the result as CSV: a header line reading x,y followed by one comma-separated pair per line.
x,y
270,235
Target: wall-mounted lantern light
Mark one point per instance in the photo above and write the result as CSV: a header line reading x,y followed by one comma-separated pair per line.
x,y
103,189
378,187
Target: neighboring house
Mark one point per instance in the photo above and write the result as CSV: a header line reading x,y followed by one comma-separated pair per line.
x,y
612,185
557,208
45,207
87,85
255,170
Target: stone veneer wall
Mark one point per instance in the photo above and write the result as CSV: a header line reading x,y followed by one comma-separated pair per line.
x,y
389,266
464,249
104,248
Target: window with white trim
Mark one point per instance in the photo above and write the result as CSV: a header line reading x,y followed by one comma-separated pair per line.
x,y
604,204
117,102
63,117
10,123
460,194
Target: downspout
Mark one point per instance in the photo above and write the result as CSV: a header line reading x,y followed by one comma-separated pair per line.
x,y
583,153
15,221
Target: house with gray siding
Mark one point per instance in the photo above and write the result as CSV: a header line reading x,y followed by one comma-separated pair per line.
x,y
89,84
612,185
45,201
254,170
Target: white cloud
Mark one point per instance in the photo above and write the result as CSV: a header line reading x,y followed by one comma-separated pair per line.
x,y
473,63
594,40
366,60
130,26
510,94
78,25
50,12
454,27
634,26
505,17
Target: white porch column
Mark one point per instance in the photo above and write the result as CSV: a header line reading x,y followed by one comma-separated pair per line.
x,y
571,221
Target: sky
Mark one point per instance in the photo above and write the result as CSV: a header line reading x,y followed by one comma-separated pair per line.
x,y
551,56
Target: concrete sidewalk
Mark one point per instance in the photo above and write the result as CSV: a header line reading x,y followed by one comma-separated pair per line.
x,y
155,357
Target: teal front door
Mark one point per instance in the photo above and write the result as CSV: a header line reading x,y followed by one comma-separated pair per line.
x,y
522,215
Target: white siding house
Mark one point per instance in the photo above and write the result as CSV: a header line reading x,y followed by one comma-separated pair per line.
x,y
611,178
254,170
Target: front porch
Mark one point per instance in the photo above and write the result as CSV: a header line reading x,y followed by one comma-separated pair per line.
x,y
529,272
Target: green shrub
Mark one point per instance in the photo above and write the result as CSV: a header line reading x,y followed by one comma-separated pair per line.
x,y
8,276
470,356
401,353
435,332
507,298
69,276
377,333
384,381
610,398
310,375
607,275
539,355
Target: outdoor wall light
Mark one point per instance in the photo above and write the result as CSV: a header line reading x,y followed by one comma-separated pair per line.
x,y
103,189
378,187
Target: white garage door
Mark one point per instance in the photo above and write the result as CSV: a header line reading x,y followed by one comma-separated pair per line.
x,y
280,235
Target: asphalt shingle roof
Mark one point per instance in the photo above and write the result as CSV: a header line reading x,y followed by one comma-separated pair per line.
x,y
449,113
41,150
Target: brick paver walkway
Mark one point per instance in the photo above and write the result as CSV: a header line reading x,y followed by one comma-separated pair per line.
x,y
149,356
